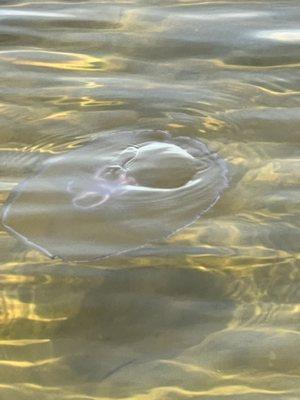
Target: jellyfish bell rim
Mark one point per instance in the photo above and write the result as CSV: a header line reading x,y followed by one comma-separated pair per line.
x,y
19,236
69,260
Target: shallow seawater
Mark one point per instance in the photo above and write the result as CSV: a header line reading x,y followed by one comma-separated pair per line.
x,y
210,312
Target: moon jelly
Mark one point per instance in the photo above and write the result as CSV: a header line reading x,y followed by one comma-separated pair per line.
x,y
118,193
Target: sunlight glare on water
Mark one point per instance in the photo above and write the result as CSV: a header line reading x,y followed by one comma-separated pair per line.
x,y
200,297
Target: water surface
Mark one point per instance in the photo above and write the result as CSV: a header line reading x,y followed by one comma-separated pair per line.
x,y
211,312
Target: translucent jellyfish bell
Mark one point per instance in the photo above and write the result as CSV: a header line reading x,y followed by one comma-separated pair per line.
x,y
116,194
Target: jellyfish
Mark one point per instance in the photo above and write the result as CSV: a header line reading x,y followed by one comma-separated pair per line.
x,y
122,191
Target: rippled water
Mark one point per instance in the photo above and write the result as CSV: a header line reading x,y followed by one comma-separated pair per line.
x,y
211,312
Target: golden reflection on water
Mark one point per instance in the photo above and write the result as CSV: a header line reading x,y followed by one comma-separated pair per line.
x,y
69,61
213,311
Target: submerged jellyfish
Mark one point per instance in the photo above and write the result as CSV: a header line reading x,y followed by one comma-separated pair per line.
x,y
118,193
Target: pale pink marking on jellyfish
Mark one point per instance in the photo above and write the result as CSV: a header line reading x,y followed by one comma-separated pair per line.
x,y
102,187
84,196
